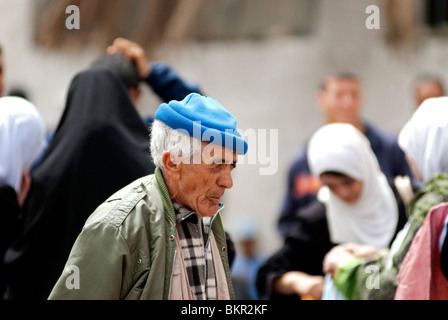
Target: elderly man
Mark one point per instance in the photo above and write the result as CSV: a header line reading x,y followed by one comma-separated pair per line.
x,y
162,237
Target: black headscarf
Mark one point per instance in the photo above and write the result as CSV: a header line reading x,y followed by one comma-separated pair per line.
x,y
101,144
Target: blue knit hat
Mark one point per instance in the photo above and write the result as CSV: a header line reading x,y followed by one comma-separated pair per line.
x,y
203,118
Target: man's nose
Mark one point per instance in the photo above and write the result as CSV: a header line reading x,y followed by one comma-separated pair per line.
x,y
348,100
225,179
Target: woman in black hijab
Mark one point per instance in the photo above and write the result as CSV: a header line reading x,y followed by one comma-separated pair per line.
x,y
100,145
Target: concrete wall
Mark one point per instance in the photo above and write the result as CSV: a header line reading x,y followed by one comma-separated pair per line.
x,y
268,85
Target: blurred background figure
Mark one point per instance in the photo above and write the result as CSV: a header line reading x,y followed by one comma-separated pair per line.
x,y
247,259
356,204
361,205
340,100
22,138
428,86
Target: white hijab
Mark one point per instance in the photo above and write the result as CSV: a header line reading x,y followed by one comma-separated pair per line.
x,y
340,147
424,138
22,139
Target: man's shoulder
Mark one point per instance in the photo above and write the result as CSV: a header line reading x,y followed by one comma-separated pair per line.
x,y
383,142
374,132
117,208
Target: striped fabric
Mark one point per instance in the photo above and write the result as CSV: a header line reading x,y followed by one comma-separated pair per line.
x,y
193,234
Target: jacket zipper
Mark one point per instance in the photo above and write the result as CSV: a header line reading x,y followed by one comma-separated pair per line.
x,y
206,248
172,273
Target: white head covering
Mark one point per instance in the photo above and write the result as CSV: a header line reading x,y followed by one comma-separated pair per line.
x,y
424,138
22,139
340,147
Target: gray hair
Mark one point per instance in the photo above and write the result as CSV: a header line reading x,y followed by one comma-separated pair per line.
x,y
178,142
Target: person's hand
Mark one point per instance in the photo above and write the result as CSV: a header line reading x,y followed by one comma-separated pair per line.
x,y
344,253
132,51
363,251
310,287
295,282
337,257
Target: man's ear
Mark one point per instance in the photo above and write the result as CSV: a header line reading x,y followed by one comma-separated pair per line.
x,y
172,164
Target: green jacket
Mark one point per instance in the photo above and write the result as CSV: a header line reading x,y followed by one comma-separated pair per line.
x,y
126,248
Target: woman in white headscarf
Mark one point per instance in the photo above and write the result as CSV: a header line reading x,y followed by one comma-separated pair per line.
x,y
361,207
22,139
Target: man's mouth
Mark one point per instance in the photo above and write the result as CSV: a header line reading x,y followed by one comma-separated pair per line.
x,y
216,197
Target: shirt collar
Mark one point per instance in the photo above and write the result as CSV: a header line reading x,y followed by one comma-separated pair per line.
x,y
183,213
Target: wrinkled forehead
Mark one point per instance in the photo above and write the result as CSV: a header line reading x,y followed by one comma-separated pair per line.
x,y
213,153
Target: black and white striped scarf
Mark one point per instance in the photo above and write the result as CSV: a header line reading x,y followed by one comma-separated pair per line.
x,y
194,237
